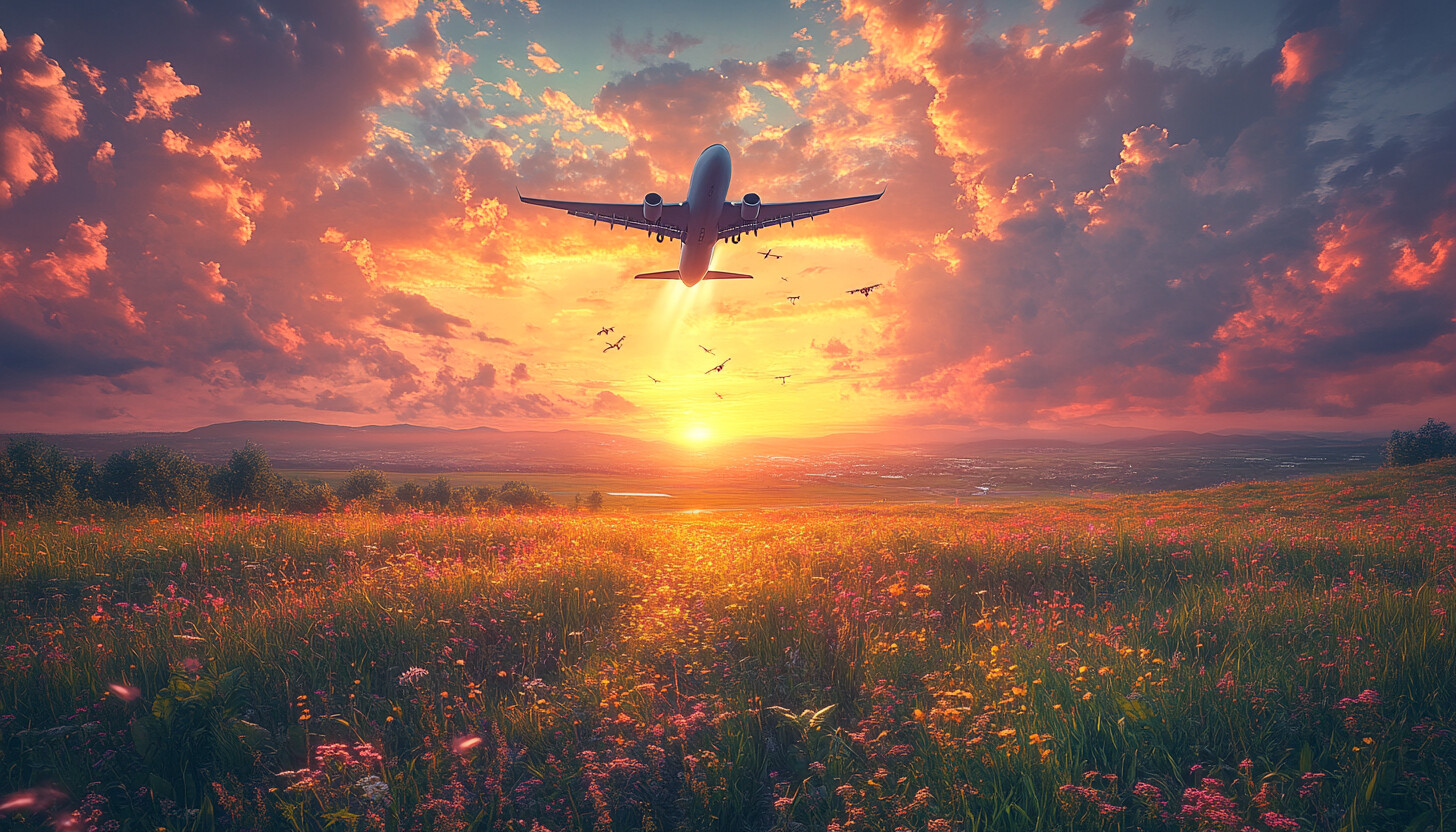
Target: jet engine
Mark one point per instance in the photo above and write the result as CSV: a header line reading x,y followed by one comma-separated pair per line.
x,y
652,207
750,205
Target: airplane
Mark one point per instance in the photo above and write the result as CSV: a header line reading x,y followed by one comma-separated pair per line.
x,y
705,349
864,290
606,330
719,368
615,346
703,219
655,380
782,380
794,300
769,253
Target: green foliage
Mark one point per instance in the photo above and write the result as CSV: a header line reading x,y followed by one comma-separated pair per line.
x,y
438,491
156,477
195,732
409,493
35,474
247,481
520,496
307,496
1433,440
363,484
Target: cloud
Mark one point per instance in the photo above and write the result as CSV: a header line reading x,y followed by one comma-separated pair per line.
x,y
414,313
648,47
40,109
157,89
608,403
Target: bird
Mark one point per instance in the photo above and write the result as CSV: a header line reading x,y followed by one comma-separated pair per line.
x,y
769,253
617,345
719,395
864,290
705,349
654,380
719,368
606,330
783,379
793,300
784,279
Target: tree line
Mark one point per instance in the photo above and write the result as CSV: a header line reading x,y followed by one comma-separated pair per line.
x,y
39,477
1433,440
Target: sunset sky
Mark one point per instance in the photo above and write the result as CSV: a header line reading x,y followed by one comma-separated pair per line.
x,y
1169,214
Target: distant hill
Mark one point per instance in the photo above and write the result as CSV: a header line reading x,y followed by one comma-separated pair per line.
x,y
402,448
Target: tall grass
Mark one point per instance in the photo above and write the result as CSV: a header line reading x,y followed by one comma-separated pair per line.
x,y
1264,656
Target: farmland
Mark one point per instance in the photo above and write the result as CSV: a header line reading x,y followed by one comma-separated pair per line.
x,y
1266,656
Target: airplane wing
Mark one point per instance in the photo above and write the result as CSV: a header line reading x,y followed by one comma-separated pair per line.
x,y
777,213
672,224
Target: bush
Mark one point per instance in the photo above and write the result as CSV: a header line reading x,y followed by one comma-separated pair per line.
x,y
363,484
247,481
311,497
34,474
438,492
155,476
410,494
519,496
1433,440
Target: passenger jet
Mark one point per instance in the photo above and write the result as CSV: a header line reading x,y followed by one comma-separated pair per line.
x,y
703,219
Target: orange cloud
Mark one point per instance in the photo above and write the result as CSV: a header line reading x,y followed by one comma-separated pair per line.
x,y
158,88
1306,56
40,108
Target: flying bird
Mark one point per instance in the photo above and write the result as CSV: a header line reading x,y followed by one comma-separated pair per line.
x,y
702,220
617,345
782,380
606,330
719,395
864,290
719,368
705,349
655,380
769,253
784,279
794,300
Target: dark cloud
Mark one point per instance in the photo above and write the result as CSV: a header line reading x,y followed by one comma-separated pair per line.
x,y
647,47
415,313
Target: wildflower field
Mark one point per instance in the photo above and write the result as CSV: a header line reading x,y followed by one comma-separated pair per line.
x,y
1252,657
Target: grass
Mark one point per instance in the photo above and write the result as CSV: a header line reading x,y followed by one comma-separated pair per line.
x,y
1259,656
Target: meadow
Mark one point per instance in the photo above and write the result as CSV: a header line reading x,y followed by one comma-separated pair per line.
x,y
1267,657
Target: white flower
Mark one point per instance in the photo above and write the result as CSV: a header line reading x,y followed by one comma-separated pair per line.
x,y
412,676
374,789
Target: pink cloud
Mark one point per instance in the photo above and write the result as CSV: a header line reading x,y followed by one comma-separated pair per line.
x,y
157,89
41,109
1306,56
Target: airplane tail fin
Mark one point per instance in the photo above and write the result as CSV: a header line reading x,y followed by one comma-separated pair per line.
x,y
670,275
727,276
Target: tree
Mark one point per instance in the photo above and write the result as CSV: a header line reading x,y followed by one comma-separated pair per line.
x,y
363,484
1433,440
595,500
311,497
438,492
410,494
247,480
36,474
155,476
519,495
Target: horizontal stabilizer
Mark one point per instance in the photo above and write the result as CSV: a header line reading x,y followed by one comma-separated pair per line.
x,y
672,275
727,276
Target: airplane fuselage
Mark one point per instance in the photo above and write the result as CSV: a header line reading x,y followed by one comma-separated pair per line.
x,y
707,191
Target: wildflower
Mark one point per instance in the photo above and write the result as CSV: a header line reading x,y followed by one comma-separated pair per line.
x,y
464,744
125,693
375,790
411,677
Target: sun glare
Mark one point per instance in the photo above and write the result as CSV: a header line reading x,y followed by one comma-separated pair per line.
x,y
698,434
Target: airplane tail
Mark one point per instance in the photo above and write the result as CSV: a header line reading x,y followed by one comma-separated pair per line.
x,y
669,275
727,276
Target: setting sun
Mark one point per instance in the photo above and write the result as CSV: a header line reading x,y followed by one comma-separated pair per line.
x,y
698,434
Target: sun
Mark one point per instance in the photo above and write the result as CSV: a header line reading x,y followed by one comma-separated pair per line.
x,y
698,434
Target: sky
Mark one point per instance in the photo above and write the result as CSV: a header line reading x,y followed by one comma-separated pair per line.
x,y
1164,214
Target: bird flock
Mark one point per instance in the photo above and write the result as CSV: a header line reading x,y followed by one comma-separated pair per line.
x,y
793,300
